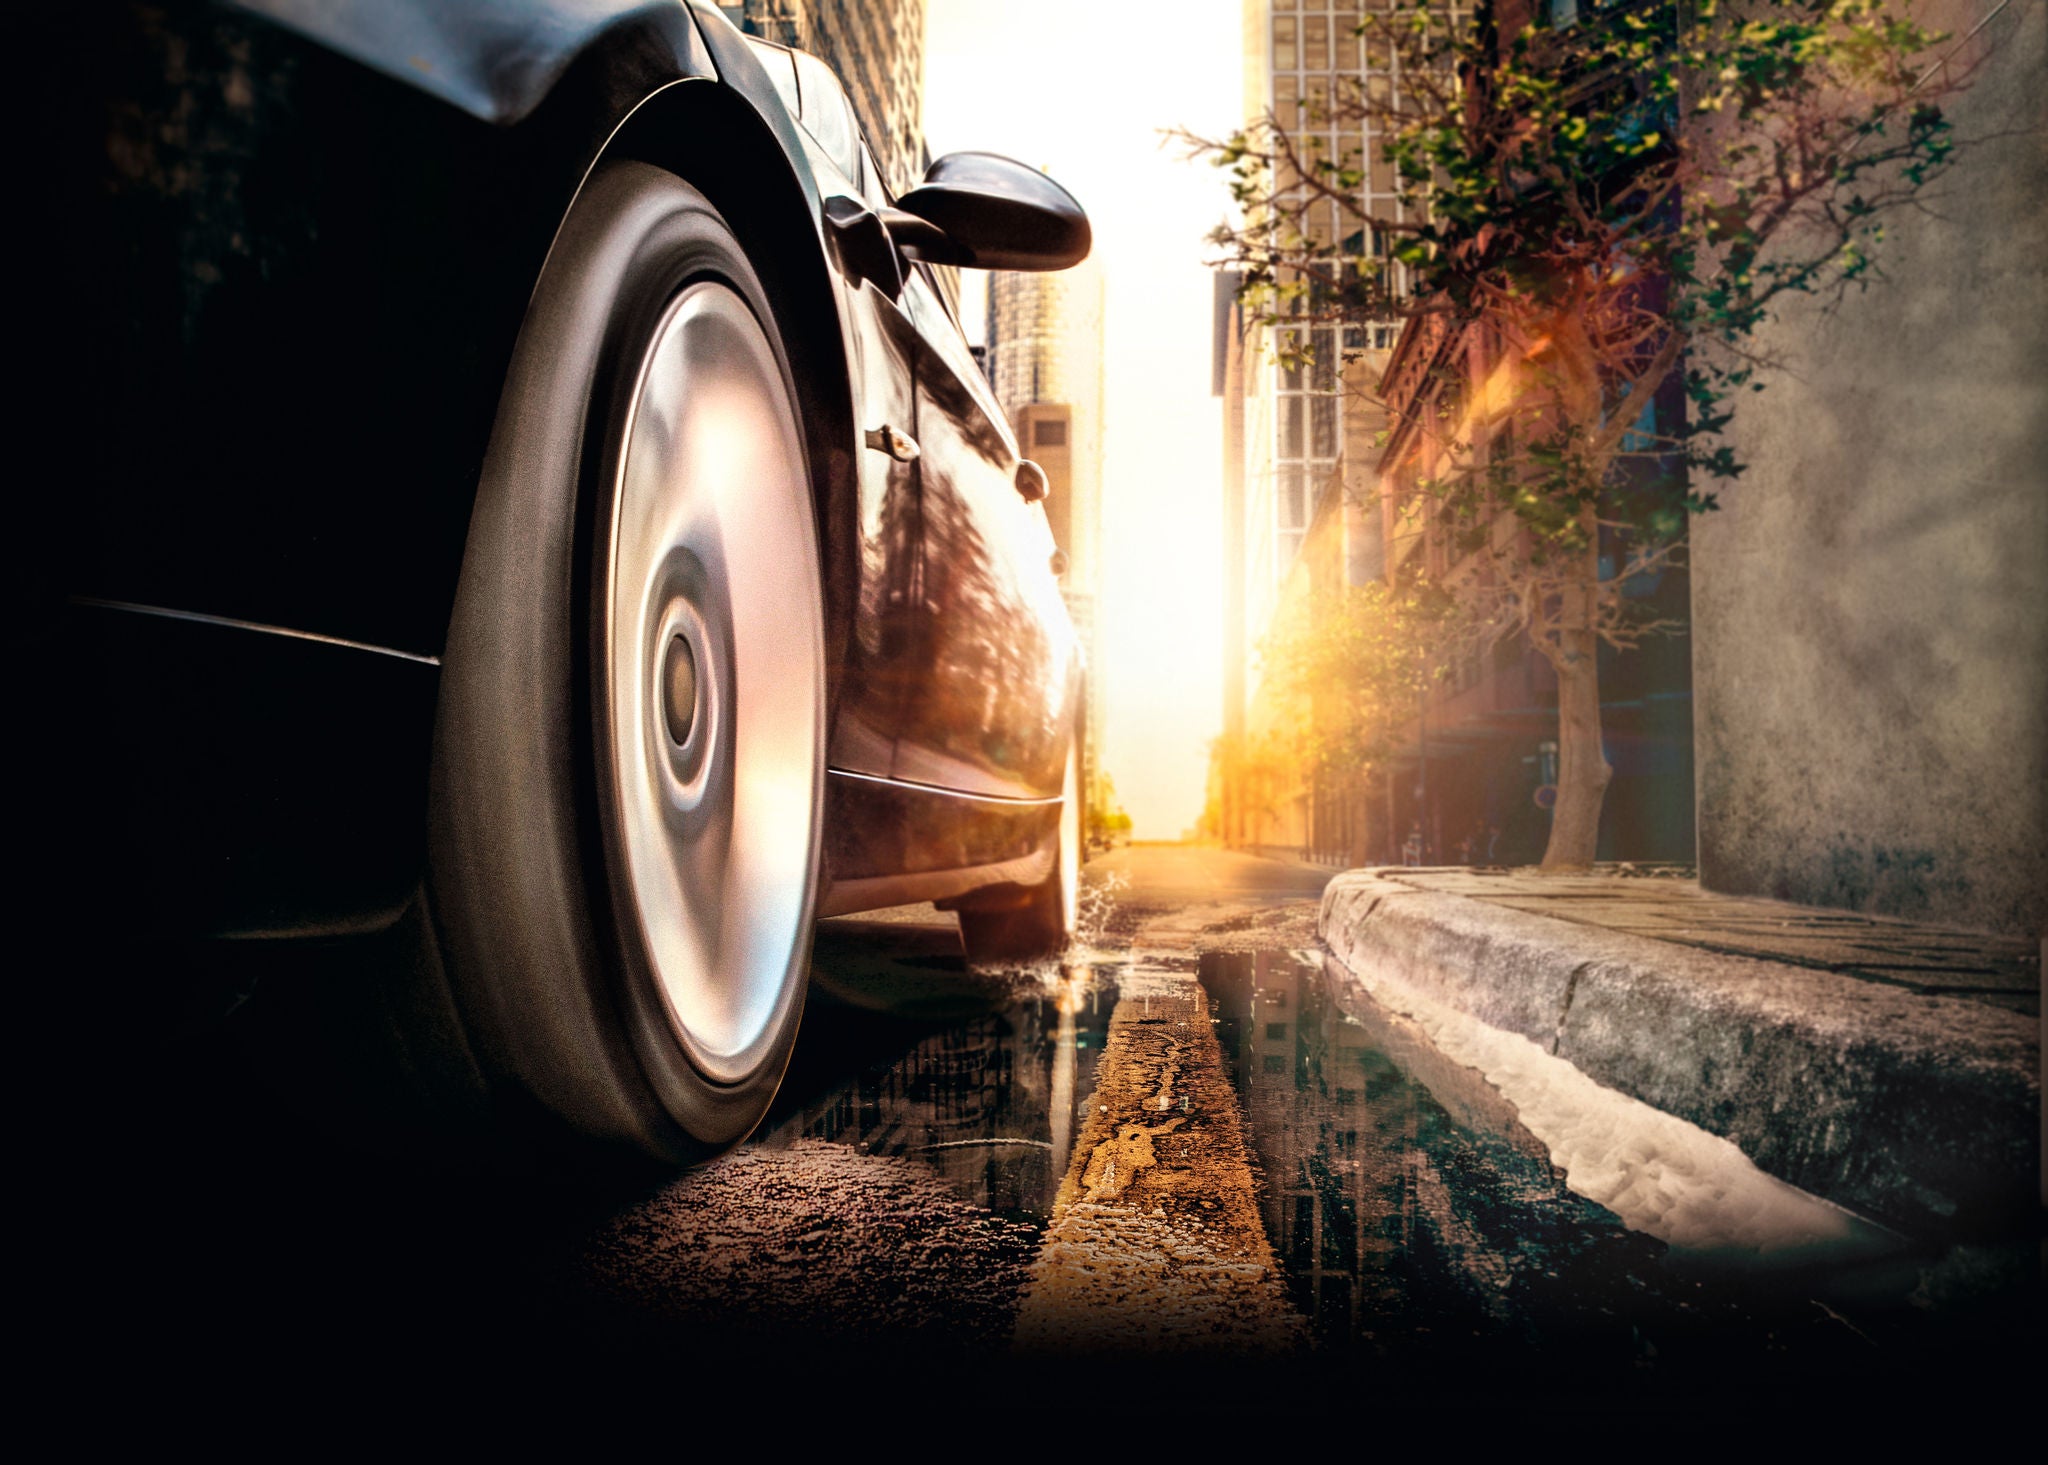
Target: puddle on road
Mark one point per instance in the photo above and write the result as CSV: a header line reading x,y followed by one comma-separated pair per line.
x,y
1417,1220
981,1076
897,1193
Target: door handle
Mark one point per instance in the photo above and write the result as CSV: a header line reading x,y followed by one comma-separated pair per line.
x,y
886,439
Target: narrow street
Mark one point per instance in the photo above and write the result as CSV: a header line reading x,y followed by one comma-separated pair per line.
x,y
1204,1139
1199,1144
1046,1160
617,559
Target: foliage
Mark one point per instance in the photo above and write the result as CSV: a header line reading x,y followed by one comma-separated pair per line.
x,y
1352,665
1107,821
1347,670
1604,198
1253,770
1585,225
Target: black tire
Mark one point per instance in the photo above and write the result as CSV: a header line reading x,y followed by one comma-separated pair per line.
x,y
541,896
1037,922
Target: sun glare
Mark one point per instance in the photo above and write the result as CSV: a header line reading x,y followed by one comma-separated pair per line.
x,y
1083,91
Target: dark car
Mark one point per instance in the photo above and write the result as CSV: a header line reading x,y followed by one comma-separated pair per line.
x,y
527,491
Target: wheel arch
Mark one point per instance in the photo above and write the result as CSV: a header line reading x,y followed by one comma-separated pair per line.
x,y
357,178
714,139
569,85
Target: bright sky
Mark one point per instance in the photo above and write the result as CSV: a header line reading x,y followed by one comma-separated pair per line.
x,y
1081,88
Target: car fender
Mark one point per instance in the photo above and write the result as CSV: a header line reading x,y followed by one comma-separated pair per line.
x,y
500,60
495,59
258,501
601,79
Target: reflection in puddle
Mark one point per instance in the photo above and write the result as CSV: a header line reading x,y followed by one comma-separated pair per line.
x,y
1392,1210
1414,1215
988,1100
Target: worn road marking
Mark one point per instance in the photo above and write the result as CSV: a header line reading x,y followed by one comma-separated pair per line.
x,y
1156,1242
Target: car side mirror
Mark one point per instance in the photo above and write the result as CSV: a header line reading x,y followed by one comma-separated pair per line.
x,y
987,212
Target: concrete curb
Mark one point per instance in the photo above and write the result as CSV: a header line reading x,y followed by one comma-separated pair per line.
x,y
1920,1111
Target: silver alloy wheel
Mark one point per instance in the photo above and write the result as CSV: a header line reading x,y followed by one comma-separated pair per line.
x,y
713,684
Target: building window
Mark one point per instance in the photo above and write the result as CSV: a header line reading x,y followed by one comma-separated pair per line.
x,y
1307,421
1293,505
1287,102
1320,72
1315,47
1285,35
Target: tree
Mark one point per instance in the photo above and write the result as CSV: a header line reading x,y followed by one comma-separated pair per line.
x,y
1351,664
1107,821
1589,221
1345,669
1246,777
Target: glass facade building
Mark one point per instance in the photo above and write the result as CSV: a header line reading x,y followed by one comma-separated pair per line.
x,y
1309,421
1310,418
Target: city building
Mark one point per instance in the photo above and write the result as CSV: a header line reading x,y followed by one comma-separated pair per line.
x,y
876,47
1321,495
1474,770
1043,352
1300,426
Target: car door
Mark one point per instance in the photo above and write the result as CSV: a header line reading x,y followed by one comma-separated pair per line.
x,y
881,669
996,660
883,661
964,662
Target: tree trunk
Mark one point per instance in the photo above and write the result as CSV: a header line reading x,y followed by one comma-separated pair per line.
x,y
1582,769
1583,772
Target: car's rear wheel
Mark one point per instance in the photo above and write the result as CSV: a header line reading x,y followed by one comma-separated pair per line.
x,y
629,760
1037,922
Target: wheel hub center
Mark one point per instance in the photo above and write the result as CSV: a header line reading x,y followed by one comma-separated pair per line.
x,y
679,689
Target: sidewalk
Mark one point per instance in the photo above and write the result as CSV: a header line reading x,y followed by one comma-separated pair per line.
x,y
1891,1067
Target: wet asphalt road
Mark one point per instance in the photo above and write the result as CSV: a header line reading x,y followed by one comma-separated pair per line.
x,y
1191,1150
901,1192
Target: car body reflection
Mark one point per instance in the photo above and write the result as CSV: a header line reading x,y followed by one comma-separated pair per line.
x,y
987,1095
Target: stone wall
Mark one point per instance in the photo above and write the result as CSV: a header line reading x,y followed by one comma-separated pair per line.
x,y
1871,601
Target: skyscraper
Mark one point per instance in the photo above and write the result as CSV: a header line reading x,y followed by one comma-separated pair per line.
x,y
1301,418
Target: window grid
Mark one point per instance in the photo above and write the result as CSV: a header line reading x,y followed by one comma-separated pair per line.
x,y
1307,431
1318,59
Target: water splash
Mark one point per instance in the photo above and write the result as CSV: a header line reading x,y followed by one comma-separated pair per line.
x,y
1095,906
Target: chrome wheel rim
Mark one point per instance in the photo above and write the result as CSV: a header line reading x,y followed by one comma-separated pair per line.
x,y
713,681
